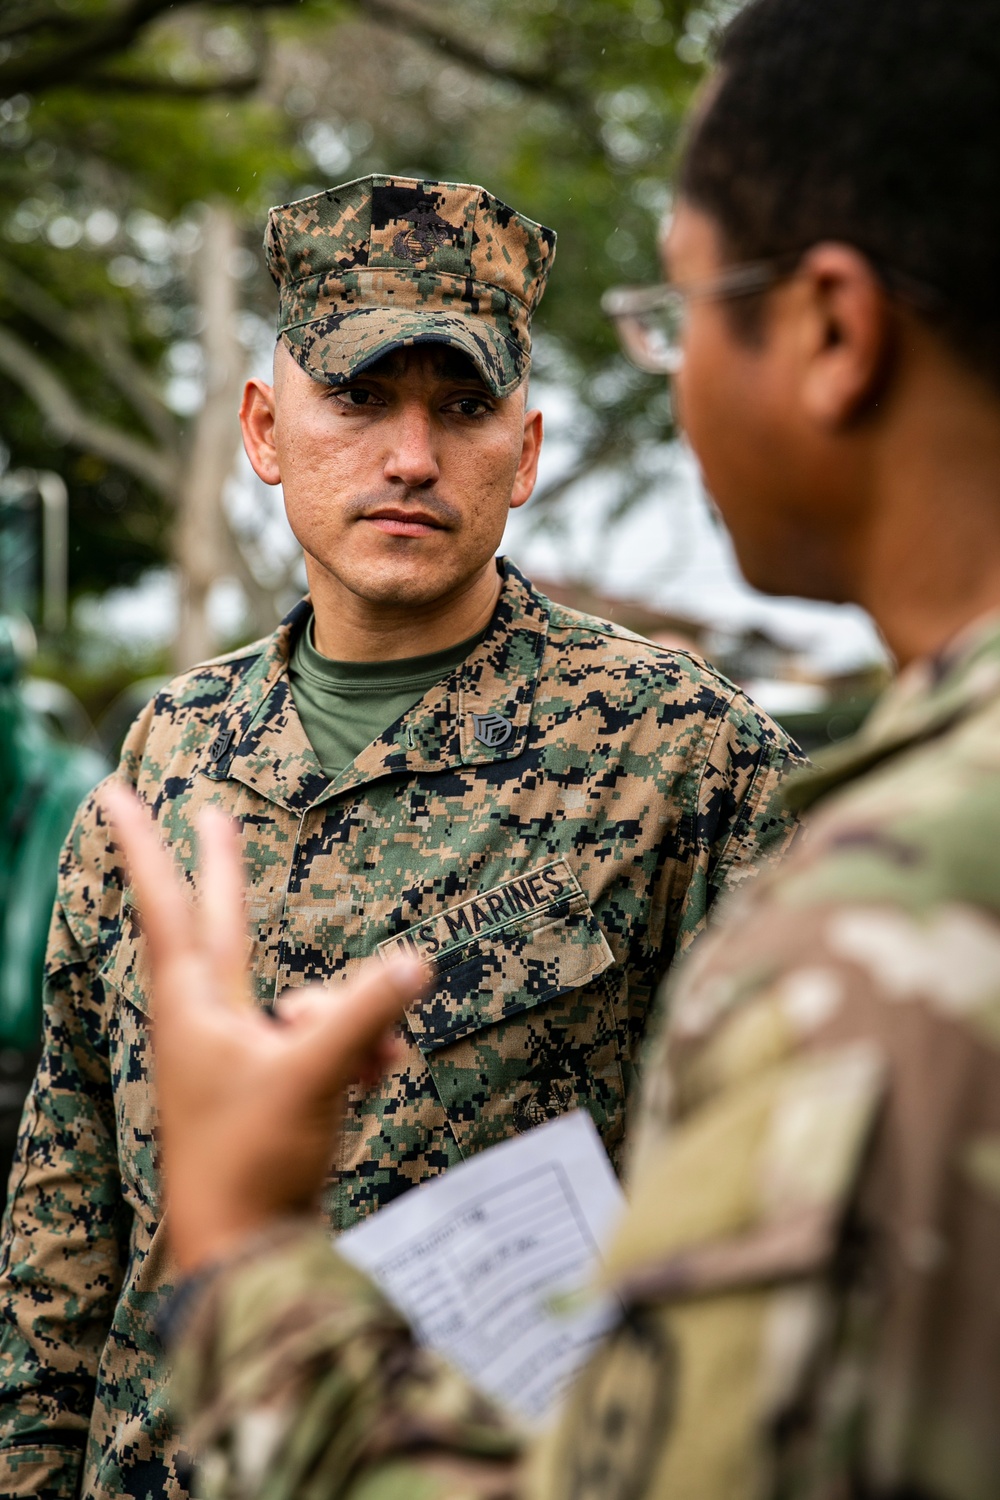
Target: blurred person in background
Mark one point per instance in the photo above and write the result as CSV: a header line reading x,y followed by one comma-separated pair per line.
x,y
426,755
808,1265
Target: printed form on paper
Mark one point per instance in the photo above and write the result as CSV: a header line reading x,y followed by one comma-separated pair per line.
x,y
490,1263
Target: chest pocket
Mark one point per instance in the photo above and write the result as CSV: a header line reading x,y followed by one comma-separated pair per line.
x,y
127,972
519,1024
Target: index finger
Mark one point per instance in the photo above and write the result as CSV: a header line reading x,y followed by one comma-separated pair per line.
x,y
334,1040
221,919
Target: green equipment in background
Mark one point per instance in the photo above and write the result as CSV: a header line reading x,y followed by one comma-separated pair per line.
x,y
42,782
44,775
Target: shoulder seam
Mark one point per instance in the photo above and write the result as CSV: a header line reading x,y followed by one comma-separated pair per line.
x,y
206,670
592,625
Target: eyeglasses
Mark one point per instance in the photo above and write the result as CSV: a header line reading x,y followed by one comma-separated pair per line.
x,y
649,320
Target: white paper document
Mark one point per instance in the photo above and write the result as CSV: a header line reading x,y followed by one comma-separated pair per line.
x,y
480,1259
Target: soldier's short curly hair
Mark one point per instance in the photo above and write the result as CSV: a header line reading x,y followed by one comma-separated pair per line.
x,y
871,122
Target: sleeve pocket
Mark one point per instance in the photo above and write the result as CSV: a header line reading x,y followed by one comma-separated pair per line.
x,y
753,1187
127,968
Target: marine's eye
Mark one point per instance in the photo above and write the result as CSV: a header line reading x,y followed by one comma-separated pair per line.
x,y
355,395
471,406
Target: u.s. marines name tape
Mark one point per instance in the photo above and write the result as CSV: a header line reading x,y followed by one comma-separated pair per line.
x,y
546,889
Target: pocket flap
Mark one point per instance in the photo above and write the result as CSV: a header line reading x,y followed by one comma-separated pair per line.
x,y
127,967
501,952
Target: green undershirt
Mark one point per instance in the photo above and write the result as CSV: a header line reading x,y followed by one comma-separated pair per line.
x,y
344,705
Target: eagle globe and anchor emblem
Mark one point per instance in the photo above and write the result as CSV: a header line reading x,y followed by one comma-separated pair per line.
x,y
491,730
425,232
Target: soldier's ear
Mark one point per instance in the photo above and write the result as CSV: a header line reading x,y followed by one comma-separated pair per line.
x,y
257,410
845,336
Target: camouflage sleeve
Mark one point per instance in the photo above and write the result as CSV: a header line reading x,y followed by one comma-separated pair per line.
x,y
62,1238
722,1268
808,1260
738,817
67,1223
294,1377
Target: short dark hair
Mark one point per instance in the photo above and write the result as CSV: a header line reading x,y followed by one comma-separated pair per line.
x,y
872,122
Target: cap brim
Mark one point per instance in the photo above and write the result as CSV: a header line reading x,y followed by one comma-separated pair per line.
x,y
340,346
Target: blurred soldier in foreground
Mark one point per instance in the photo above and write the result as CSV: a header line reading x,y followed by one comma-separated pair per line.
x,y
809,1264
426,753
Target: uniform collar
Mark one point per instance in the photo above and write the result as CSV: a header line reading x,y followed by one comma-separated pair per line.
x,y
269,751
928,697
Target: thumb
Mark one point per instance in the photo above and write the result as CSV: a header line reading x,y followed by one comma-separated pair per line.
x,y
334,1042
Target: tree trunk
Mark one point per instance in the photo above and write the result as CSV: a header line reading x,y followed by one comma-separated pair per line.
x,y
201,550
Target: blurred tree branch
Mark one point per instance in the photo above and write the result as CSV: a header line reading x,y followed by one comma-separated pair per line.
x,y
94,339
608,442
71,43
187,470
424,28
74,425
153,86
71,51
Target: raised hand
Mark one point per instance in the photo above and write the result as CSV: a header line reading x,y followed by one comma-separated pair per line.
x,y
249,1105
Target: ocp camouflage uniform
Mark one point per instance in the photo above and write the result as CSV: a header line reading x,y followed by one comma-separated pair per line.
x,y
551,867
809,1263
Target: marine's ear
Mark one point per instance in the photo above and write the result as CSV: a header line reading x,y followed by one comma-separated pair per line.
x,y
527,467
257,412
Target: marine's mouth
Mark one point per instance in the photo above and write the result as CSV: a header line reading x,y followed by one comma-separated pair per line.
x,y
396,521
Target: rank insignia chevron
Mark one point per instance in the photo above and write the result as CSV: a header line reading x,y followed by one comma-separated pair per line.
x,y
491,730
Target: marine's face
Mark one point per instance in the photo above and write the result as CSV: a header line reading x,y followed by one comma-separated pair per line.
x,y
398,484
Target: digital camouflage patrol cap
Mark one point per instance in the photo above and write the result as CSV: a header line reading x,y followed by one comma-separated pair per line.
x,y
386,262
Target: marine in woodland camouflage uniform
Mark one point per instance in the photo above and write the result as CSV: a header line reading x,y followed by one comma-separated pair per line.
x,y
808,1264
551,823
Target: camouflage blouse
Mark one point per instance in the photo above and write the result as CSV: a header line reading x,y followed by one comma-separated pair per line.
x,y
551,823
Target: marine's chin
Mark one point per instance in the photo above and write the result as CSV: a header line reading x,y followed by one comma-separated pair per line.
x,y
405,583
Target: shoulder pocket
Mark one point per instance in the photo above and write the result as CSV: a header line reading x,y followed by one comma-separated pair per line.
x,y
753,1188
733,1219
